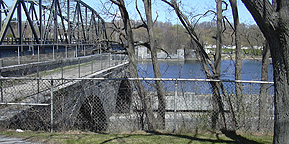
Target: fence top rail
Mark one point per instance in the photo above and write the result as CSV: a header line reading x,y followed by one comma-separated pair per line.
x,y
25,104
59,44
136,79
71,58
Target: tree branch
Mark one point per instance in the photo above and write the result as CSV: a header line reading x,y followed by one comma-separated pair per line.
x,y
116,2
226,8
138,11
140,26
156,17
263,13
203,16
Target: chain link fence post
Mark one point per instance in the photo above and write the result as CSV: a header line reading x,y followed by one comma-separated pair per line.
x,y
1,84
78,67
92,59
38,83
18,55
115,60
101,61
109,58
66,52
61,63
38,56
175,106
83,50
51,107
1,63
53,52
76,50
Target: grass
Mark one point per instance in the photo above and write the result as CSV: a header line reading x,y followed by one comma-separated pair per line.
x,y
77,137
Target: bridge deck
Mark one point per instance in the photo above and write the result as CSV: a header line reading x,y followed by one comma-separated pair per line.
x,y
34,91
15,90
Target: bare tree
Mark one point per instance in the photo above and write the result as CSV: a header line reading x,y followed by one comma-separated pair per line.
x,y
263,88
133,67
207,66
272,19
156,69
238,52
217,63
218,39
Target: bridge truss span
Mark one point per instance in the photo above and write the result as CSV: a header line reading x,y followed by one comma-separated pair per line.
x,y
57,22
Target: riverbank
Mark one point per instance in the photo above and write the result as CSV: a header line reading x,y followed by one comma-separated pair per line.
x,y
224,57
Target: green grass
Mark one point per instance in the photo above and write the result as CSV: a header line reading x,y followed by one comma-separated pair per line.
x,y
76,137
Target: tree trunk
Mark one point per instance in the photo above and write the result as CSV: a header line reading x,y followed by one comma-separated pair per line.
x,y
133,68
263,89
238,65
217,63
206,62
157,73
281,96
238,62
273,19
218,40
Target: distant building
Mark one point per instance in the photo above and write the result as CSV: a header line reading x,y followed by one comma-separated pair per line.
x,y
181,54
141,52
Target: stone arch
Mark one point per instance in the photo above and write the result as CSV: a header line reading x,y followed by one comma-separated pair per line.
x,y
91,115
124,97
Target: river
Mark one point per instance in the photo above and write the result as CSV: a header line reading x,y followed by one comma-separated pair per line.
x,y
251,69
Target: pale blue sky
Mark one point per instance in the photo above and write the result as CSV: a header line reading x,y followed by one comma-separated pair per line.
x,y
195,6
165,13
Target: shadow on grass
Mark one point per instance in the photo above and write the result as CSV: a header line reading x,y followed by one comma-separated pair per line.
x,y
193,138
237,138
116,138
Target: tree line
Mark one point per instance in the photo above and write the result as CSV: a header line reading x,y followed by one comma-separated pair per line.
x,y
170,37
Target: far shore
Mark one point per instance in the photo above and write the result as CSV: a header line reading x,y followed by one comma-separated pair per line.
x,y
224,57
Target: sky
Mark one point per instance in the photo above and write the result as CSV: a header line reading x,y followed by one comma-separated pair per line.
x,y
165,13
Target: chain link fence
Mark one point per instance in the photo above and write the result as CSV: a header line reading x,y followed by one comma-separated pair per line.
x,y
29,53
114,105
65,68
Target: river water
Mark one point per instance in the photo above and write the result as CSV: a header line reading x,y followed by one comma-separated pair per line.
x,y
251,69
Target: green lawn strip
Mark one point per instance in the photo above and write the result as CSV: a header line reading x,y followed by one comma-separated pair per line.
x,y
144,138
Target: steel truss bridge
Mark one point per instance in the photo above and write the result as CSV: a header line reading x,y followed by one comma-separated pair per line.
x,y
56,23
